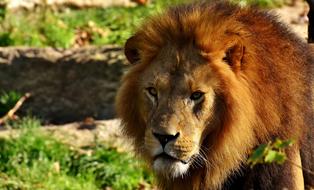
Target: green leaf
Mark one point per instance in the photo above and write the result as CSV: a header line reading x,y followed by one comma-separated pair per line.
x,y
283,144
259,152
275,156
277,143
258,155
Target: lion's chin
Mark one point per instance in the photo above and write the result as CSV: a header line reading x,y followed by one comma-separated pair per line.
x,y
170,168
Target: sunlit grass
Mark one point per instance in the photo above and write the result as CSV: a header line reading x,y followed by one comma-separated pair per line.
x,y
34,160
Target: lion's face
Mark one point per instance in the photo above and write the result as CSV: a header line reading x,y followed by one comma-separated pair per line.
x,y
178,99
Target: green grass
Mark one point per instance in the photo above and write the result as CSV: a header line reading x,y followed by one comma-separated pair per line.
x,y
34,160
44,27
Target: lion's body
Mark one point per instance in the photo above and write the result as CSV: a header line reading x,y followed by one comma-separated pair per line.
x,y
257,79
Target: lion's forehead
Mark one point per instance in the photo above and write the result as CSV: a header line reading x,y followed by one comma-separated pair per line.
x,y
177,69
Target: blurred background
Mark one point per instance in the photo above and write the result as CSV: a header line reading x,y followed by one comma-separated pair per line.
x,y
61,62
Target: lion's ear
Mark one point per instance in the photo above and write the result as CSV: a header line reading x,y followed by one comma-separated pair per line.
x,y
131,50
234,56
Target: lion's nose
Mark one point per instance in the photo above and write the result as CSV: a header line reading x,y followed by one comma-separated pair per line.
x,y
164,139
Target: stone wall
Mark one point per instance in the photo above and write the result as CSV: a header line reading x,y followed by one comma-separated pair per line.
x,y
66,85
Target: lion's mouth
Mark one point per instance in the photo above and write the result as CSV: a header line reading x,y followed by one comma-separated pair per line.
x,y
171,158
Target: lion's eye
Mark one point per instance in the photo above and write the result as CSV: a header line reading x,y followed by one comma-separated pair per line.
x,y
196,95
152,91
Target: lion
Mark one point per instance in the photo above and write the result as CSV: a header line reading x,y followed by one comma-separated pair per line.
x,y
210,82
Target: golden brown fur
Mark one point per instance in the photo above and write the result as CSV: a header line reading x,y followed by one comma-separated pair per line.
x,y
257,79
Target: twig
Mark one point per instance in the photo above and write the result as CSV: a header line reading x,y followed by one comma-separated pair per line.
x,y
16,107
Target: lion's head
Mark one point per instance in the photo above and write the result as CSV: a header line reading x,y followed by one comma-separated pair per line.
x,y
179,108
187,102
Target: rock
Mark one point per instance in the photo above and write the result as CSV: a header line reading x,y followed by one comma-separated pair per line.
x,y
66,85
